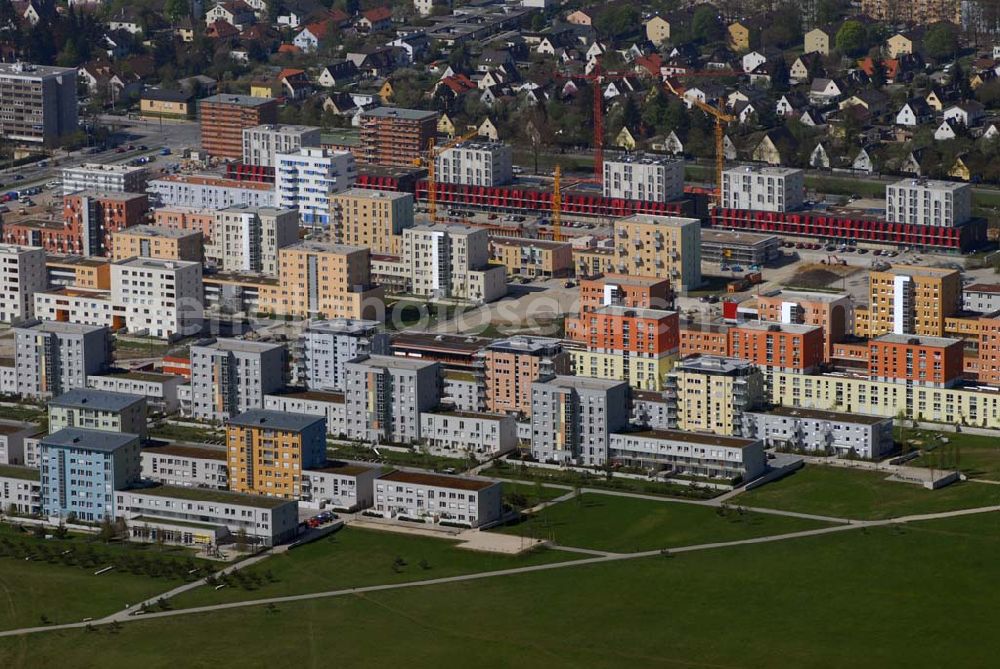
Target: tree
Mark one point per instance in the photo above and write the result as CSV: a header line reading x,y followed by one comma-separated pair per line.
x,y
850,39
941,41
175,10
616,20
705,24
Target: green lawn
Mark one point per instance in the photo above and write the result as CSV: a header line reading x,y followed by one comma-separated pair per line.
x,y
628,525
411,458
915,596
527,495
58,580
501,469
853,493
976,456
355,557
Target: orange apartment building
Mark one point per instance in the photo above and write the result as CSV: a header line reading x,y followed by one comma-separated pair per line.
x,y
623,290
532,257
320,280
614,329
907,299
395,136
223,118
986,366
506,369
778,346
180,218
267,451
925,361
697,338
79,271
150,241
832,312
94,218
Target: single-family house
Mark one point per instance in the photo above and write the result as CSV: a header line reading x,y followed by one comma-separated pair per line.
x,y
337,73
863,162
960,170
236,13
898,45
824,91
657,30
914,112
945,131
775,147
738,34
309,38
967,113
375,20
818,41
819,159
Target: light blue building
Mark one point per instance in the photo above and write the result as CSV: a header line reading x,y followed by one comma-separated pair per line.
x,y
81,469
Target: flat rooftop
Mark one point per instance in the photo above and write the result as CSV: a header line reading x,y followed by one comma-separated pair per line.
x,y
343,326
764,326
635,312
324,247
916,270
626,279
763,170
804,296
735,238
276,420
369,194
525,344
439,342
102,195
237,100
438,480
400,113
91,440
97,400
157,231
210,495
55,260
930,184
918,340
73,291
642,159
14,428
713,364
19,69
666,221
581,383
819,414
310,395
237,345
113,168
151,377
23,473
156,263
697,438
206,180
523,241
60,327
188,451
394,362
342,468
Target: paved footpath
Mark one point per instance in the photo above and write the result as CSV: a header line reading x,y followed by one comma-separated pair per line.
x,y
124,616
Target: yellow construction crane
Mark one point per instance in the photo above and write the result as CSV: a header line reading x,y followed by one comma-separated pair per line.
x,y
430,160
721,118
556,205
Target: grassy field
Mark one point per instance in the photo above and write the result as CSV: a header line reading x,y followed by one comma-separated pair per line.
x,y
500,469
628,525
976,456
356,557
527,495
853,493
913,596
58,580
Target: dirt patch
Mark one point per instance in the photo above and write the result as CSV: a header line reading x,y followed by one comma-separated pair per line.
x,y
817,276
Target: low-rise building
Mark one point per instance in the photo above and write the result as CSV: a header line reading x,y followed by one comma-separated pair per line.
x,y
98,410
160,390
186,465
532,257
150,241
12,438
191,516
468,434
438,499
82,306
341,486
20,490
690,454
204,192
746,249
824,432
104,178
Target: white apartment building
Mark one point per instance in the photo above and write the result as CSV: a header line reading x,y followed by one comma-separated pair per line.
x,y
452,261
22,274
437,498
928,202
339,485
643,177
37,102
51,358
262,143
475,164
690,453
161,297
823,432
85,306
304,180
187,466
160,390
21,489
462,433
763,188
329,405
231,376
385,395
208,192
12,438
247,239
325,347
104,178
98,410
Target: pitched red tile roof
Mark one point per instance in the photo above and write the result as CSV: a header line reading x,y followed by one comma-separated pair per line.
x,y
378,14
